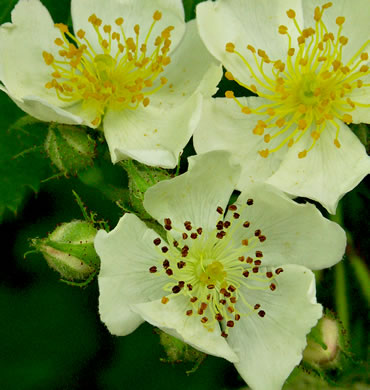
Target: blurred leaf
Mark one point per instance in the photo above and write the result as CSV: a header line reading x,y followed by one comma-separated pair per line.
x,y
189,7
22,163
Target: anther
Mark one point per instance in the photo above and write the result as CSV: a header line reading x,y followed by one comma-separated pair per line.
x,y
246,224
164,300
230,324
219,210
189,312
193,235
164,249
181,264
259,254
153,269
245,242
261,313
176,289
204,320
257,306
279,271
272,287
169,272
246,273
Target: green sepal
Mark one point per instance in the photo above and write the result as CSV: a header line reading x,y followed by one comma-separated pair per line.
x,y
179,352
142,177
69,148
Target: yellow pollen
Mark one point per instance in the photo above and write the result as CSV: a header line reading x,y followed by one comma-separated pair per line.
x,y
283,29
229,76
302,154
229,94
315,135
336,143
116,75
230,47
251,48
364,57
246,110
264,153
347,118
340,20
291,14
267,138
291,52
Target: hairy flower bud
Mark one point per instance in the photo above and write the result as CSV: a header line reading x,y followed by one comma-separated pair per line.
x,y
69,249
324,346
69,148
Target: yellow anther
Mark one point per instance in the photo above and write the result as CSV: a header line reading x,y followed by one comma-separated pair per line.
x,y
62,27
261,53
81,34
317,14
328,116
320,46
107,28
267,138
229,75
105,44
130,44
121,47
119,21
345,69
347,86
347,119
49,85
157,15
322,59
137,29
336,65
326,75
315,135
246,110
258,130
350,102
301,40
302,124
270,111
229,94
340,20
264,153
230,47
291,52
359,83
337,143
166,61
291,14
327,5
302,154
290,143
343,40
283,29
59,42
364,68
333,95
164,300
251,48
364,57
146,101
48,58
302,108
253,88
163,80
303,62
280,123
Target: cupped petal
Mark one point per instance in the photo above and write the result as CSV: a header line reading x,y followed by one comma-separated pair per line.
x,y
171,318
224,127
356,26
43,110
192,69
291,233
246,22
361,98
195,195
270,347
152,135
126,254
22,42
134,12
327,172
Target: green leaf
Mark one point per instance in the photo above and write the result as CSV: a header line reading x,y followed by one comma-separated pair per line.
x,y
189,7
22,162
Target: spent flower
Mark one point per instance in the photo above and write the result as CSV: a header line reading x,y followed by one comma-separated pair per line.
x,y
232,281
135,67
308,63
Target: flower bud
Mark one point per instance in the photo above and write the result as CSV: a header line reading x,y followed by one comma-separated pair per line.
x,y
323,346
69,148
179,352
70,250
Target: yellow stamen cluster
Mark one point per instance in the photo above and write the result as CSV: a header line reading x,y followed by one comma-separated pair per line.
x,y
309,90
120,74
210,270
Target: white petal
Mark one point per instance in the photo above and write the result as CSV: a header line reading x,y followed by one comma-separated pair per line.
x,y
327,172
171,318
43,110
192,69
356,26
361,95
195,195
133,12
295,233
270,347
152,135
23,70
224,127
126,254
246,22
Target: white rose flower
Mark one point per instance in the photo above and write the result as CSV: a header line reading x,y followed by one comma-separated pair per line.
x,y
234,282
135,66
308,63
